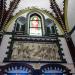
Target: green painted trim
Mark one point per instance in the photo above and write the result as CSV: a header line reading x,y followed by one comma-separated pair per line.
x,y
66,15
31,10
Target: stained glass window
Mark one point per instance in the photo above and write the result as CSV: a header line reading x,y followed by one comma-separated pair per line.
x,y
35,27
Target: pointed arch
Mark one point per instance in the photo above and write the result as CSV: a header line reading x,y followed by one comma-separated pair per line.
x,y
39,23
30,10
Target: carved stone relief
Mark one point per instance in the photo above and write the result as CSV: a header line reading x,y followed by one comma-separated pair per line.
x,y
35,52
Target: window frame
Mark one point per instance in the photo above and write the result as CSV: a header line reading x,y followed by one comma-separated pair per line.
x,y
35,27
42,23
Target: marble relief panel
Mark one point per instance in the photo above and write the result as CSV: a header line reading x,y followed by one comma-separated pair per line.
x,y
35,52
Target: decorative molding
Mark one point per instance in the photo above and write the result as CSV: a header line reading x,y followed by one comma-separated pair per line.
x,y
35,40
30,70
55,67
66,15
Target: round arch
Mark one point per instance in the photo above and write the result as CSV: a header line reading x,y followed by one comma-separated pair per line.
x,y
32,10
13,68
56,69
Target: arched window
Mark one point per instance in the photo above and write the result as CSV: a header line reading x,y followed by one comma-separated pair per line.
x,y
20,24
35,24
50,26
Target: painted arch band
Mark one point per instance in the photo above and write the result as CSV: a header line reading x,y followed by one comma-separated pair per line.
x,y
32,10
26,69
